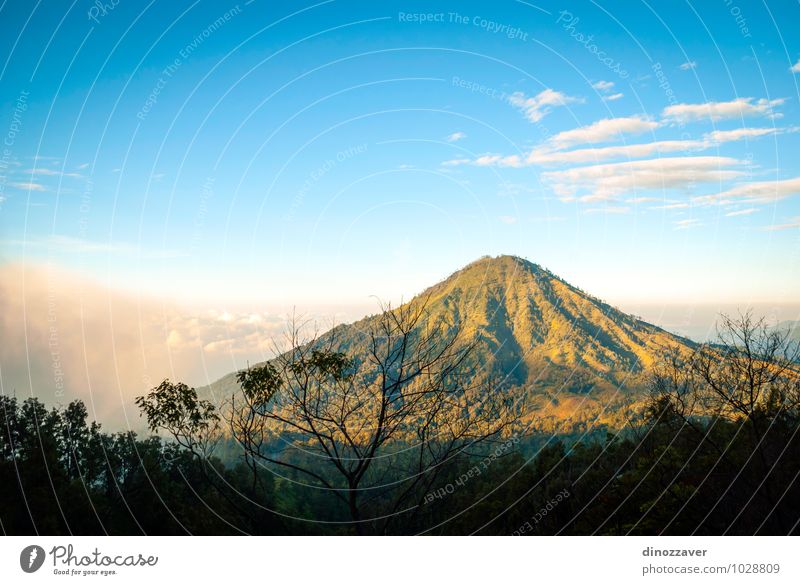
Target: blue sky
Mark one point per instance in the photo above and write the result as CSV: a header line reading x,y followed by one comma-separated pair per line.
x,y
283,152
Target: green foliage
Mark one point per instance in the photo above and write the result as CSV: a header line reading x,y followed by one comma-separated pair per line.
x,y
61,475
175,408
260,383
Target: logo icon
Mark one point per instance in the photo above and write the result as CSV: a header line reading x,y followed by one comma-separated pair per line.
x,y
31,558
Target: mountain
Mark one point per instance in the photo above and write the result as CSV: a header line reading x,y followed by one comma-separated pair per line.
x,y
790,327
579,361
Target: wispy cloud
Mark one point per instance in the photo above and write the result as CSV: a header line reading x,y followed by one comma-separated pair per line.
x,y
603,131
53,173
608,181
555,152
456,136
605,88
609,209
491,160
508,219
69,245
755,192
688,65
679,205
603,85
454,162
741,212
28,186
720,136
715,111
790,225
584,155
685,224
796,67
537,107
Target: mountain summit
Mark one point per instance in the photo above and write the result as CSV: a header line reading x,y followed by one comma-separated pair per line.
x,y
531,319
577,359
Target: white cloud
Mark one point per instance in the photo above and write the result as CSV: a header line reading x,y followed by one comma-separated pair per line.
x,y
680,205
83,166
741,212
715,111
29,186
796,67
508,219
603,85
553,155
757,192
489,160
538,106
603,131
688,65
456,162
793,224
609,209
584,155
456,136
684,224
607,181
720,136
71,246
51,173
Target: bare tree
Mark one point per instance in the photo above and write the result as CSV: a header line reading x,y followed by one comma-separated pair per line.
x,y
751,374
407,403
